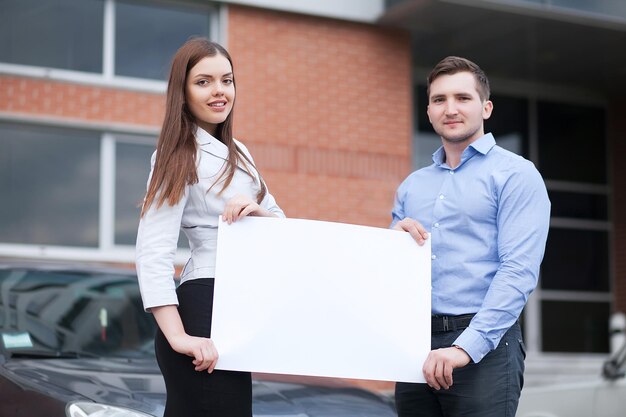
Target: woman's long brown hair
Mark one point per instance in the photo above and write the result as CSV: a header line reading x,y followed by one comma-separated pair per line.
x,y
175,165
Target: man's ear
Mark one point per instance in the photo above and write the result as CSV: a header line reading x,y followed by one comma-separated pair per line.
x,y
487,109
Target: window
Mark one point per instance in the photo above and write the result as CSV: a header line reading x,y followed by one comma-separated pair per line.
x,y
52,180
575,278
132,166
49,179
576,260
147,37
579,205
580,130
574,326
131,173
68,35
72,34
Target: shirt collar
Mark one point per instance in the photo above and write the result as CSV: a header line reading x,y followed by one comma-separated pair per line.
x,y
481,145
484,143
203,137
209,143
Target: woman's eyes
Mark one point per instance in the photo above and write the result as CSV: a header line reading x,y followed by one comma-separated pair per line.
x,y
202,83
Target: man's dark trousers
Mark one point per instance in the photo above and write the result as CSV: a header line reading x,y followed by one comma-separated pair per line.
x,y
490,388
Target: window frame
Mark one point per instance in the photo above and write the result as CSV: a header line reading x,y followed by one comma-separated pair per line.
x,y
108,78
107,250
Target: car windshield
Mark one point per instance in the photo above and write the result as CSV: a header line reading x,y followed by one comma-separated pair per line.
x,y
85,313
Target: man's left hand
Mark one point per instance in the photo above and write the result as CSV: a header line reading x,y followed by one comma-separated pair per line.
x,y
440,363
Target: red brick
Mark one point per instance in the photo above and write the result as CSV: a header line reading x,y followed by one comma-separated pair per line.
x,y
63,100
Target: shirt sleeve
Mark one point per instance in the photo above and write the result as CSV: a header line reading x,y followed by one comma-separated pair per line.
x,y
523,220
397,212
157,239
269,203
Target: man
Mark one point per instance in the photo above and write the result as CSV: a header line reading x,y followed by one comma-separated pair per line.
x,y
487,212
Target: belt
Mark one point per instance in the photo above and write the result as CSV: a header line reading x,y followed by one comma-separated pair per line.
x,y
450,323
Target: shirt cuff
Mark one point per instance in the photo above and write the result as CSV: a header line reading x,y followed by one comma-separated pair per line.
x,y
158,300
473,344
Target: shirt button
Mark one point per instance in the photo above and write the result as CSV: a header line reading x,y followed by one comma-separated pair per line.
x,y
451,172
441,196
436,225
433,257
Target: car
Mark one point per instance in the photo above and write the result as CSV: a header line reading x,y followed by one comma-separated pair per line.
x,y
601,396
76,342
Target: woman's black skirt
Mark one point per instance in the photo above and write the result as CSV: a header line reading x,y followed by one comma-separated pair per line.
x,y
199,394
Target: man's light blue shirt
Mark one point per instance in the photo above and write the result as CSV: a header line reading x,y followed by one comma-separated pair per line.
x,y
488,220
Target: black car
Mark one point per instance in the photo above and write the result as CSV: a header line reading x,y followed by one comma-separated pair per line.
x,y
75,342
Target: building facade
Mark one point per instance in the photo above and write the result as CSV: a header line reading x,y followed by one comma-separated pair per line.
x,y
331,103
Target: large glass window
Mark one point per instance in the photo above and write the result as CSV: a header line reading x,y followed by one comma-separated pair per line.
x,y
132,166
49,180
131,173
148,36
72,35
576,260
579,205
65,34
575,278
570,326
572,145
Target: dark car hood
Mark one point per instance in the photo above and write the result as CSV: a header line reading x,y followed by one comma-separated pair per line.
x,y
135,384
138,384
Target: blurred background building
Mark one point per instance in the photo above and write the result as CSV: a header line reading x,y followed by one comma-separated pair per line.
x,y
331,101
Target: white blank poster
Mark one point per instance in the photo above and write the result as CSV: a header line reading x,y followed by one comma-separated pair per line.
x,y
318,298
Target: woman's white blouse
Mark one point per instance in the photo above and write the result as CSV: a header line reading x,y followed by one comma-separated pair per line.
x,y
197,213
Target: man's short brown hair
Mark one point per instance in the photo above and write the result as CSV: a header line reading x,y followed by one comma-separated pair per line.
x,y
451,65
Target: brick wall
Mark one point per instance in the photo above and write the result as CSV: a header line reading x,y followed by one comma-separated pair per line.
x,y
617,146
325,107
64,100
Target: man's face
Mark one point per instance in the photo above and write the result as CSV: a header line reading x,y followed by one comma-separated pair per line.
x,y
455,109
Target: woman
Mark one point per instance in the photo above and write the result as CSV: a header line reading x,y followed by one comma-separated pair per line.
x,y
199,172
